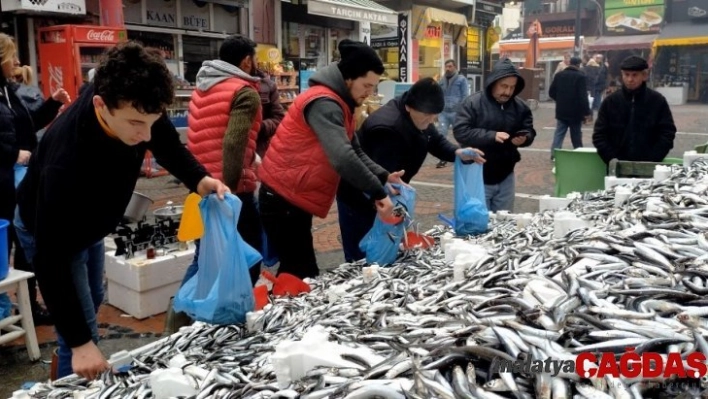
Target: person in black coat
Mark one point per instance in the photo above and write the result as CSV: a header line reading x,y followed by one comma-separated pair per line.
x,y
18,141
497,122
634,123
398,136
568,90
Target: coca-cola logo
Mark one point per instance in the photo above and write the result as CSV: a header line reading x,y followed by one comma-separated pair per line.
x,y
100,36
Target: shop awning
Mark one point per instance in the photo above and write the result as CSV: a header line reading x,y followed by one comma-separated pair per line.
x,y
424,16
544,43
353,10
682,34
629,42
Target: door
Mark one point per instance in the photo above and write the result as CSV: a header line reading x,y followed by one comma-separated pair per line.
x,y
474,82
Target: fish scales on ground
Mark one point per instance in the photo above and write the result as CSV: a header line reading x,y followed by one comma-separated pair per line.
x,y
638,279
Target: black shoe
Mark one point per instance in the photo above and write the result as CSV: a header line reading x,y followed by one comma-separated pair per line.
x,y
441,164
41,317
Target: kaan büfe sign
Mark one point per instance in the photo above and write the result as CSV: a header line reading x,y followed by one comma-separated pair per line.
x,y
351,13
633,17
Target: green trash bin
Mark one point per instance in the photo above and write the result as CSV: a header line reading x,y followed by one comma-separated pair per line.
x,y
673,161
579,171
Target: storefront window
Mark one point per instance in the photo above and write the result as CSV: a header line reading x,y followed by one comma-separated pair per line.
x,y
384,40
161,41
197,50
304,45
430,57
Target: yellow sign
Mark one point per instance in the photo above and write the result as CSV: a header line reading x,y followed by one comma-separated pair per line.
x,y
492,37
268,53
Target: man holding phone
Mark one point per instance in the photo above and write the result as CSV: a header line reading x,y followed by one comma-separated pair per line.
x,y
498,123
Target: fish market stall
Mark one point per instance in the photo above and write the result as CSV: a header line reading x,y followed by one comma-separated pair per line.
x,y
527,310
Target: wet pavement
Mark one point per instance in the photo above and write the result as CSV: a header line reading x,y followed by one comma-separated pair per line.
x,y
435,195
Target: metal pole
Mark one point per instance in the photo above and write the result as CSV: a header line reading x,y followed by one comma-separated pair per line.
x,y
576,51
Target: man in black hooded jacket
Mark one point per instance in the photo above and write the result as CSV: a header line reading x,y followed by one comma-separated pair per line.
x,y
398,136
497,122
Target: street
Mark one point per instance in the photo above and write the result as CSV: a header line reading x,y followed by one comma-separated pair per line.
x,y
534,178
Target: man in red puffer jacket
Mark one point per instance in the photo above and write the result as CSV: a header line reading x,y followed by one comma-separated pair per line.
x,y
224,119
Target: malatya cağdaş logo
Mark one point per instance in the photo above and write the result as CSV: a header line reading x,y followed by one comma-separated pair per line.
x,y
647,365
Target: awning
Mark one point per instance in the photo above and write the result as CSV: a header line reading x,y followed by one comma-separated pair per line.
x,y
423,16
629,42
544,44
353,10
682,34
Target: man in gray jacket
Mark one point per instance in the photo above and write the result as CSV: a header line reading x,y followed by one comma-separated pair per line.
x,y
497,122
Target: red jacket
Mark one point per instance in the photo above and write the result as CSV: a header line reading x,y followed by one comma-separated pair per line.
x,y
295,165
207,122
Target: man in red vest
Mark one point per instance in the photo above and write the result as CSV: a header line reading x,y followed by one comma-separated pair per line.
x,y
223,124
312,149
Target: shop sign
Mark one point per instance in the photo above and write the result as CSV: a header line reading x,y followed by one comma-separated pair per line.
x,y
433,32
365,32
628,19
195,17
474,48
315,7
403,47
73,7
161,13
697,9
489,7
385,42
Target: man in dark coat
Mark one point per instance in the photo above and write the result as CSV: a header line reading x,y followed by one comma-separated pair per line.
x,y
398,136
568,90
497,122
634,123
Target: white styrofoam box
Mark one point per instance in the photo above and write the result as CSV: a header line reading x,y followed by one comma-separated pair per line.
x,y
621,195
611,181
547,202
564,222
662,172
690,156
142,287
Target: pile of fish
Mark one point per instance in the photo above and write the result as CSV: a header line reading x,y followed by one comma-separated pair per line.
x,y
638,278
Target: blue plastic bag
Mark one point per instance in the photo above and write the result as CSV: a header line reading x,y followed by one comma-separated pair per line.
x,y
381,243
471,214
5,306
20,172
220,292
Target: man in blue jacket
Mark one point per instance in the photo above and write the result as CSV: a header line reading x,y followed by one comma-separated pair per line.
x,y
455,89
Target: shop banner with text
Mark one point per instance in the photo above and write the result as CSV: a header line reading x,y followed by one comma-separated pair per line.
x,y
474,48
633,17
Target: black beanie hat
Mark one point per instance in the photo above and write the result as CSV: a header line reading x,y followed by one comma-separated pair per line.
x,y
358,59
575,61
426,96
634,63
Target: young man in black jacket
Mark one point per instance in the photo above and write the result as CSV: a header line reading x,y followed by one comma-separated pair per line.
x,y
398,136
634,123
81,179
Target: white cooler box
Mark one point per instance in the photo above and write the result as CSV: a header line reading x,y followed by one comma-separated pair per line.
x,y
142,287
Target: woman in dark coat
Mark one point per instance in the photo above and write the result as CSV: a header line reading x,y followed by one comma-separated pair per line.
x,y
18,126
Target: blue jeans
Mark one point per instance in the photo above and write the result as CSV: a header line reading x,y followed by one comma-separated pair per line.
x,y
576,134
597,98
500,197
87,273
354,223
446,121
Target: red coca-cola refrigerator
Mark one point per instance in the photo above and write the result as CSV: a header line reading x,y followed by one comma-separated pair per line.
x,y
68,52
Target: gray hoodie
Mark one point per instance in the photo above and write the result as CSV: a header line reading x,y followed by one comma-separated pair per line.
x,y
326,118
215,71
